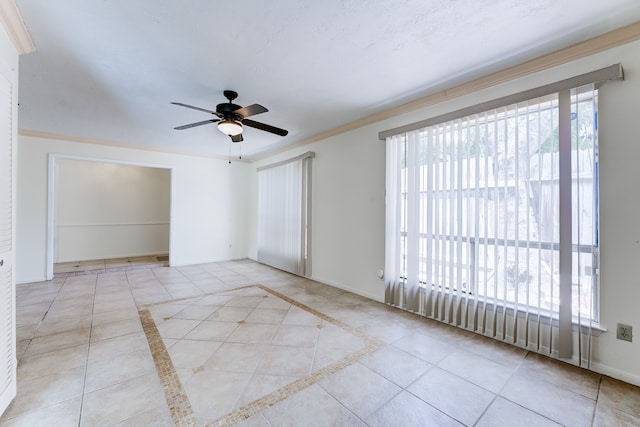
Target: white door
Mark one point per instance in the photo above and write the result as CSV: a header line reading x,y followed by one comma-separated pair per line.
x,y
7,227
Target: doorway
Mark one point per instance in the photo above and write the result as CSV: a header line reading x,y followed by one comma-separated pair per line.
x,y
103,211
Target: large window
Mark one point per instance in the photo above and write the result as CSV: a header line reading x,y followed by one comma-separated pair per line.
x,y
492,216
486,203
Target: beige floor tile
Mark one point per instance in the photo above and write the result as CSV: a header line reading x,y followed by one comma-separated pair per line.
x,y
157,417
296,336
452,395
387,331
607,416
502,353
312,407
195,312
562,374
214,393
115,329
266,315
557,403
334,337
48,343
177,328
212,331
213,300
26,332
621,396
503,413
236,357
230,314
191,354
122,401
118,369
113,347
166,311
274,302
396,365
286,361
298,316
256,421
114,316
425,347
114,304
407,410
359,389
183,290
63,325
46,391
260,385
50,363
245,301
66,413
253,333
327,356
481,371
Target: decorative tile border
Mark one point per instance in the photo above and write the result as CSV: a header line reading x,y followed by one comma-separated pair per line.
x,y
177,399
179,405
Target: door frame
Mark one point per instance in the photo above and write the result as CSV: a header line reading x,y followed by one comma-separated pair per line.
x,y
52,194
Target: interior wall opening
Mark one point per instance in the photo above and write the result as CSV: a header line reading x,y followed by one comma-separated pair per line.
x,y
107,215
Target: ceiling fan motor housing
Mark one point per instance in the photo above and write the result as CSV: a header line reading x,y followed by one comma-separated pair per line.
x,y
227,109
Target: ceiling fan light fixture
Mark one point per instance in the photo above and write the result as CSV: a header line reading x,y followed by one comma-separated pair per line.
x,y
230,127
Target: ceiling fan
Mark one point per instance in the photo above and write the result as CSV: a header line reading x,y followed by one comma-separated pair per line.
x,y
231,118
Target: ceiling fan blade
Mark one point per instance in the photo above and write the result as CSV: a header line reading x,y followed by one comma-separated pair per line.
x,y
191,125
265,127
250,110
236,138
195,108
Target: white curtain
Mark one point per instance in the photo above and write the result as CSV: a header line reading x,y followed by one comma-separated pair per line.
x,y
283,215
491,221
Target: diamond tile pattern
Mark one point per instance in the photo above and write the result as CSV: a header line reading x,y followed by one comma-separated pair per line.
x,y
240,343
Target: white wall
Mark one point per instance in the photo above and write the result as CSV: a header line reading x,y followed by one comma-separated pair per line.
x,y
348,200
208,203
110,210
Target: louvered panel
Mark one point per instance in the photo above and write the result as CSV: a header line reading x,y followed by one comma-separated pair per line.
x,y
7,294
7,357
6,173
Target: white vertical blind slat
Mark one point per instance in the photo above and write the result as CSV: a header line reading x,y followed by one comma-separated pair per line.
x,y
479,236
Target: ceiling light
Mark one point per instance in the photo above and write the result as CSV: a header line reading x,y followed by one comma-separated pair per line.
x,y
229,127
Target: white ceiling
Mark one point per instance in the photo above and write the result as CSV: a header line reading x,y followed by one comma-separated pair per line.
x,y
107,70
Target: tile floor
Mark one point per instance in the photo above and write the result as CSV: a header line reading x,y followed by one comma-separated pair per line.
x,y
241,343
112,264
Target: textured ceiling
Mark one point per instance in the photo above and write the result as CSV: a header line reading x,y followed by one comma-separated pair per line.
x,y
108,70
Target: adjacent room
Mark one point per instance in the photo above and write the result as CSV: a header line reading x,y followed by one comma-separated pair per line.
x,y
402,213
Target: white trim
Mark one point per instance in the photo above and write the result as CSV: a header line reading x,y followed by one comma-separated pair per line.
x,y
51,192
14,24
372,297
615,373
113,224
117,144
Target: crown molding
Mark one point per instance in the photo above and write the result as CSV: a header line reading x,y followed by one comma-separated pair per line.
x,y
17,30
615,38
116,144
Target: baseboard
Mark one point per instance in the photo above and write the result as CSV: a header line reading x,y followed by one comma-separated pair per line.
x,y
615,373
346,288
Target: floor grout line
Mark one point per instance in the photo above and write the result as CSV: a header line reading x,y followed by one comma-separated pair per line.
x,y
177,399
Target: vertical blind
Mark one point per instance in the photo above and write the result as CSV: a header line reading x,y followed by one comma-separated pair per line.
x,y
492,221
284,214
